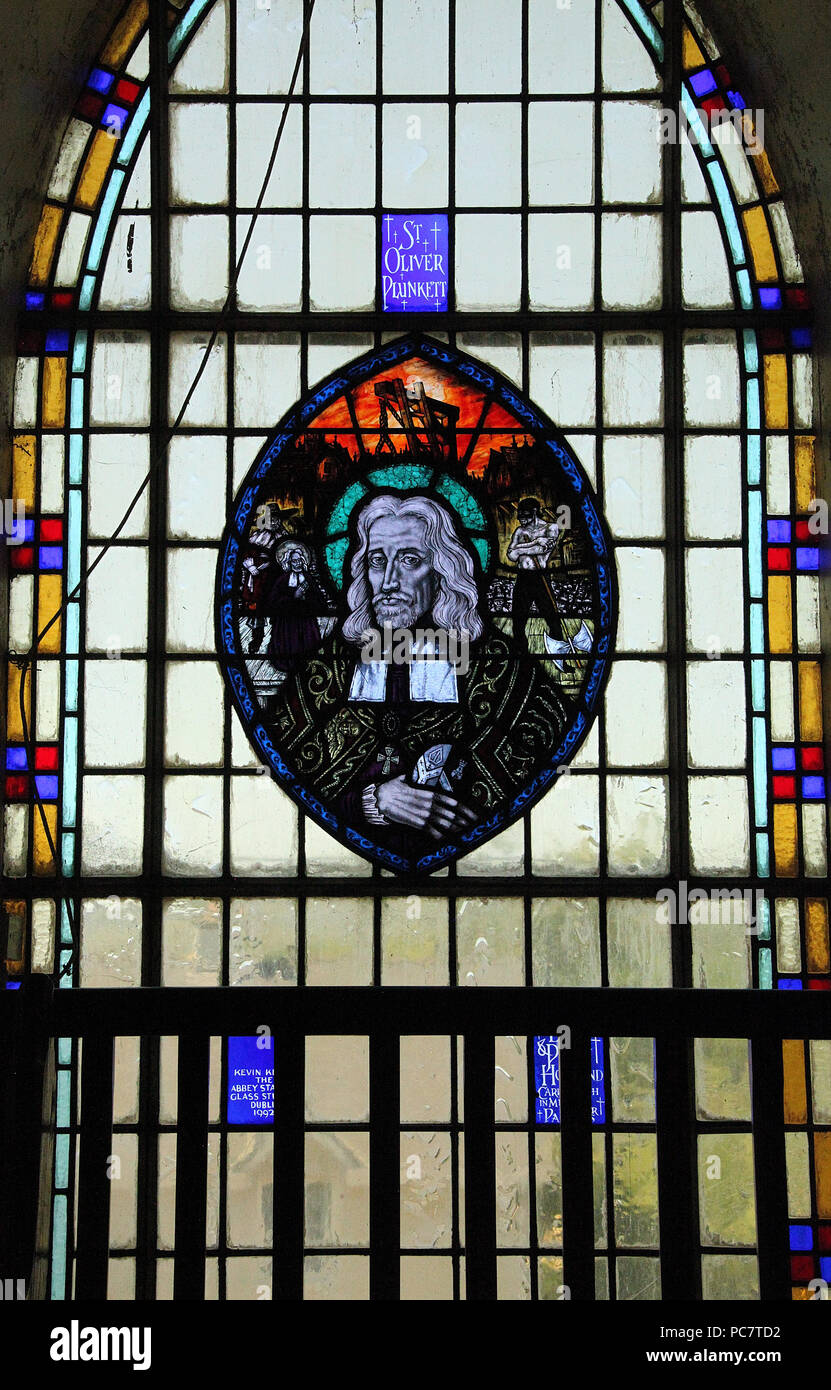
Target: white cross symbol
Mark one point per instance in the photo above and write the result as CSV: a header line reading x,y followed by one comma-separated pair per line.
x,y
391,760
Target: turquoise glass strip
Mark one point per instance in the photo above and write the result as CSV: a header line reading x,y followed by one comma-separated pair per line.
x,y
70,769
76,407
647,27
763,854
760,772
754,409
73,551
751,350
59,1208
764,920
76,459
68,853
87,287
754,542
185,25
754,460
62,1159
64,1094
757,629
135,129
79,351
696,125
757,680
745,288
73,628
71,683
765,970
102,225
728,212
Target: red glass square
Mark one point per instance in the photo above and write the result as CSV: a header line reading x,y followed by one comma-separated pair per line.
x,y
813,760
29,342
713,104
723,75
819,984
21,557
802,531
51,530
784,786
90,106
17,786
62,299
127,91
802,1267
797,297
773,340
779,557
825,1237
46,758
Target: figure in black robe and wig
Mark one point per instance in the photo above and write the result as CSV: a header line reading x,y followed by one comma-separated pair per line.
x,y
415,752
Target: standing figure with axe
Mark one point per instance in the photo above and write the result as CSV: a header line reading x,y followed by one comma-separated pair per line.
x,y
530,549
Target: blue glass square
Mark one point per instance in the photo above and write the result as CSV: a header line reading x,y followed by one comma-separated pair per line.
x,y
813,788
47,787
779,532
21,532
250,1081
807,557
802,1238
802,338
784,759
35,301
16,760
825,1267
57,340
99,80
770,299
50,557
738,100
13,984
415,271
790,984
703,83
113,119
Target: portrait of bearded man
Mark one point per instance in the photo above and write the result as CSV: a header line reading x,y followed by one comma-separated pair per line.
x,y
412,753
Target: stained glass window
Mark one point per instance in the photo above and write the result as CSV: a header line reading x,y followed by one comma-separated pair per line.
x,y
564,223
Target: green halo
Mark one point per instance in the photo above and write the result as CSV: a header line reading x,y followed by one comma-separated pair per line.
x,y
401,477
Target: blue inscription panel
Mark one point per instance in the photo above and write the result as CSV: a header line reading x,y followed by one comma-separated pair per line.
x,y
250,1081
547,1080
414,262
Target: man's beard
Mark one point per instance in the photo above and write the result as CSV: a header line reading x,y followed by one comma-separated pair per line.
x,y
398,613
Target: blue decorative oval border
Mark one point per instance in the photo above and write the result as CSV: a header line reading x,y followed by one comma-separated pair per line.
x,y
236,534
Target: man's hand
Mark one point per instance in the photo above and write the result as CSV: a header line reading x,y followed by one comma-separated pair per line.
x,y
434,812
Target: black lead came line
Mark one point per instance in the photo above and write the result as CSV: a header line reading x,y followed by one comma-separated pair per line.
x,y
26,663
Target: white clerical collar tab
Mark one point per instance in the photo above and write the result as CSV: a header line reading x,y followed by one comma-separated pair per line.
x,y
369,681
431,680
434,680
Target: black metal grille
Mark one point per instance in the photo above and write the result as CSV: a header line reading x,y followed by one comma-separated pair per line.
x,y
32,1015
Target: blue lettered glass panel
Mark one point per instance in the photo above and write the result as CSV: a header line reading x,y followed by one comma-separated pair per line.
x,y
251,1081
414,255
547,1080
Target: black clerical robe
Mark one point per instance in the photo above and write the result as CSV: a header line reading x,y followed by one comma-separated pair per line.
x,y
507,722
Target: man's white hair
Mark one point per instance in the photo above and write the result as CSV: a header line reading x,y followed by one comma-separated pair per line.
x,y
455,603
